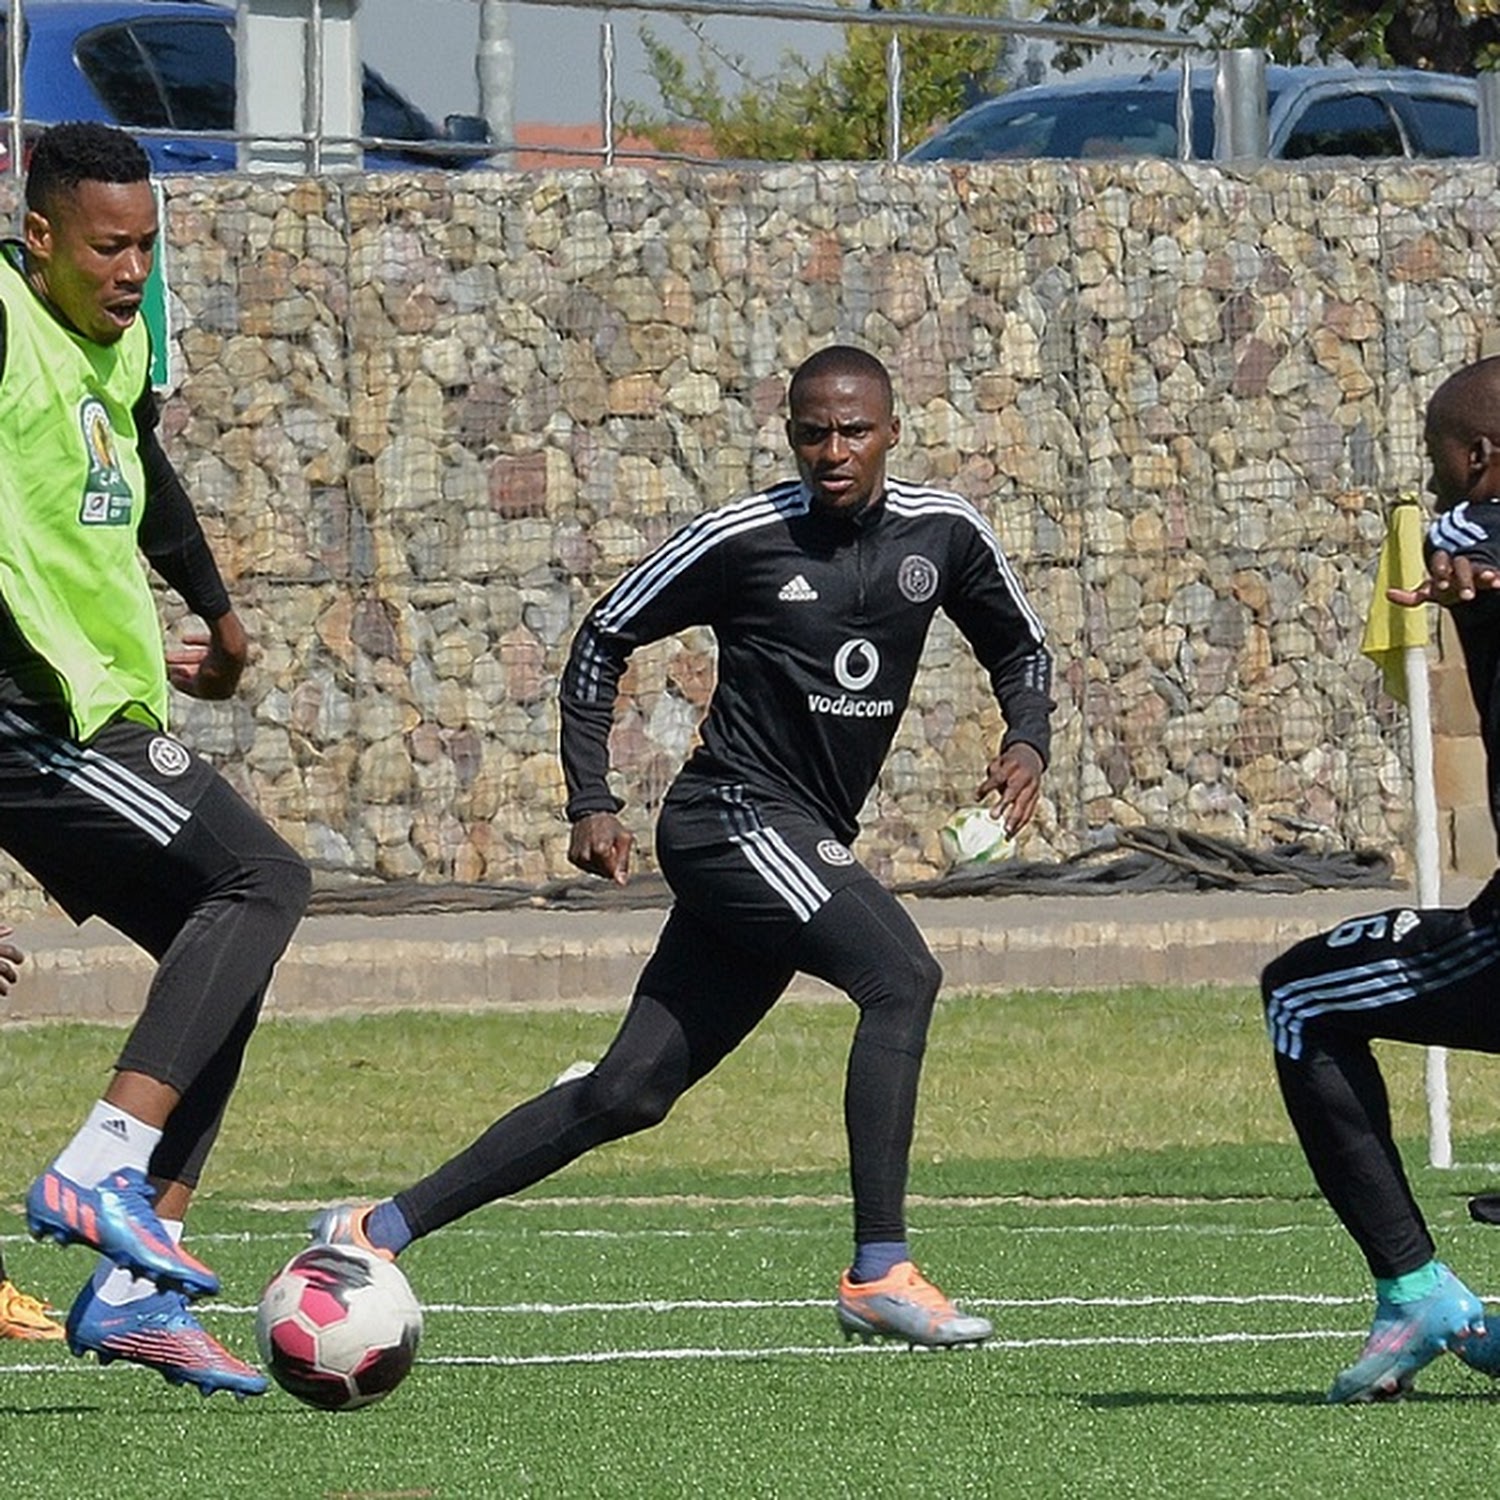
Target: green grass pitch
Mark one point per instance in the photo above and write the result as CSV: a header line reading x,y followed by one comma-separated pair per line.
x,y
1106,1176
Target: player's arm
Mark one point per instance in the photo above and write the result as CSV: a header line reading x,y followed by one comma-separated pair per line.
x,y
207,664
1462,551
599,842
985,600
678,585
10,956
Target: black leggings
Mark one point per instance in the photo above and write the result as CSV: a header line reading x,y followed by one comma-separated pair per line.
x,y
1431,977
157,844
699,996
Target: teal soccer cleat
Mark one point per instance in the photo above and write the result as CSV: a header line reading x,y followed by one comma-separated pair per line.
x,y
1406,1337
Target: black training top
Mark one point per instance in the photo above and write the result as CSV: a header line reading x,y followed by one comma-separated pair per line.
x,y
1471,529
820,622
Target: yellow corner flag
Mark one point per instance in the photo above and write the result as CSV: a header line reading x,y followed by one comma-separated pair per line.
x,y
1391,628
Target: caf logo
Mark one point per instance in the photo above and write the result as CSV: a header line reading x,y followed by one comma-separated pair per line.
x,y
831,852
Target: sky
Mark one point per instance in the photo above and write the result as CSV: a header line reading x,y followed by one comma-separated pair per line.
x,y
427,51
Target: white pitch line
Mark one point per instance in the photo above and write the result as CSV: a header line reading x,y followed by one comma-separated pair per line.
x,y
839,1351
1220,1231
758,1231
791,1351
799,1304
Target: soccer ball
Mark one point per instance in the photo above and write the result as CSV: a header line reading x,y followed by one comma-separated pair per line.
x,y
972,837
338,1327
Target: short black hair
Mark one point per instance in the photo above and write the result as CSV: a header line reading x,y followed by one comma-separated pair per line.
x,y
841,359
1467,403
81,151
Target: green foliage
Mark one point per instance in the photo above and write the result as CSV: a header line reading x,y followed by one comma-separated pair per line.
x,y
834,112
838,110
1451,36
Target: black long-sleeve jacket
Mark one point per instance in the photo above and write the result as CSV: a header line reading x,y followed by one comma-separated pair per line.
x,y
820,622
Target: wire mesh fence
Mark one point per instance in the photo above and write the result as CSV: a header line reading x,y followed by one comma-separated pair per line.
x,y
429,420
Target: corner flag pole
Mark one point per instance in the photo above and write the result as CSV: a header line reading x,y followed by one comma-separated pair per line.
x,y
1396,638
1429,881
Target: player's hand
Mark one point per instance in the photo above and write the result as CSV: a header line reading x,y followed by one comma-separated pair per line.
x,y
1450,580
10,956
1016,774
209,663
601,845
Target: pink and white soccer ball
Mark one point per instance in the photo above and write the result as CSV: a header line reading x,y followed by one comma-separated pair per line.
x,y
338,1327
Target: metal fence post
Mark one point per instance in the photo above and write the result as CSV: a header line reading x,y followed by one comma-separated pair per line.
x,y
607,80
893,80
312,89
1240,130
14,30
1489,115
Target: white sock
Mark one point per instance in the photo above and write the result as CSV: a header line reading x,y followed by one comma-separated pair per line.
x,y
108,1140
116,1286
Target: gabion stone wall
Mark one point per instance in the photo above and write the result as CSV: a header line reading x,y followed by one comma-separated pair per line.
x,y
428,420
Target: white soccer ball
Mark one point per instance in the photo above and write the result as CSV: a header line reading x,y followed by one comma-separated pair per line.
x,y
974,836
338,1327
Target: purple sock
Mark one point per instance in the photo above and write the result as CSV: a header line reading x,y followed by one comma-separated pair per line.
x,y
875,1258
386,1227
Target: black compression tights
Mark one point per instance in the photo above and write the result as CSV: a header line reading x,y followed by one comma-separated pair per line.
x,y
1339,1107
216,945
862,941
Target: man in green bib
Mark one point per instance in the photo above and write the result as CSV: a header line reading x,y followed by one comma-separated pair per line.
x,y
110,813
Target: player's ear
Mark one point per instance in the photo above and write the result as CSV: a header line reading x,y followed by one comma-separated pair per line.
x,y
1484,469
36,230
895,432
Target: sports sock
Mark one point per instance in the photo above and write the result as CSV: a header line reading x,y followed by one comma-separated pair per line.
x,y
386,1227
1410,1287
116,1286
876,1258
109,1139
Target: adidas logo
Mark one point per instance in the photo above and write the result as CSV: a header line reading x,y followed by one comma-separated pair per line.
x,y
798,590
116,1127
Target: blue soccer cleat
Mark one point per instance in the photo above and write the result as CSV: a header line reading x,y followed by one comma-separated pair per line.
x,y
1406,1337
117,1220
161,1333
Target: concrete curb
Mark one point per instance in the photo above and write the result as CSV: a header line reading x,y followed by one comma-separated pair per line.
x,y
529,958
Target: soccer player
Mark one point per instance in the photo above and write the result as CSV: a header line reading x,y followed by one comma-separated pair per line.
x,y
112,815
820,591
1423,976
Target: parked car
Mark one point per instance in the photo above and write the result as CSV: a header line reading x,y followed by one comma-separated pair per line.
x,y
1311,111
168,67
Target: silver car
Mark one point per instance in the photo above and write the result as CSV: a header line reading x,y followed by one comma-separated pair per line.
x,y
1394,112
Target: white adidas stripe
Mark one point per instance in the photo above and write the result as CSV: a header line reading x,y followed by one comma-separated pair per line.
x,y
905,499
98,776
649,577
1389,981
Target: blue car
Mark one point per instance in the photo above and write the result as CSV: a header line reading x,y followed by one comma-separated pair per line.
x,y
1310,112
166,69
